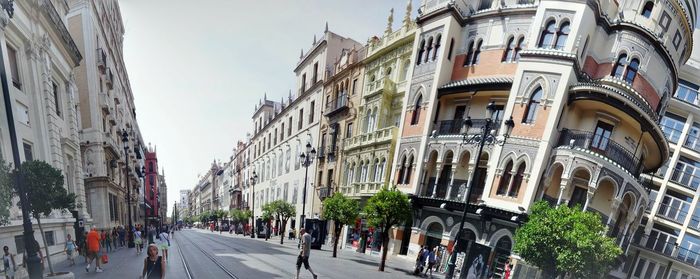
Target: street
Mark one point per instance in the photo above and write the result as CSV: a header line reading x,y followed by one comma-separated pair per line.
x,y
196,253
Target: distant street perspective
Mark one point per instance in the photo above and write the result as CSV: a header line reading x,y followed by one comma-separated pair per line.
x,y
511,139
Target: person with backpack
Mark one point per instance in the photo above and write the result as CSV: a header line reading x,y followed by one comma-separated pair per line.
x,y
164,243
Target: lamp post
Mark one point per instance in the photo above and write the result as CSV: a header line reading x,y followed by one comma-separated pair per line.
x,y
307,158
145,205
253,179
33,261
125,140
487,136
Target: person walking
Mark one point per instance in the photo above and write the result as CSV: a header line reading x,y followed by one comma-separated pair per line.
x,y
122,236
153,265
164,243
70,249
82,247
107,236
304,253
93,245
8,263
431,260
138,241
115,238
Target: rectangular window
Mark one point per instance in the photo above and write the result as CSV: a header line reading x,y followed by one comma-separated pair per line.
x,y
57,101
692,141
301,119
282,132
312,109
601,136
348,131
28,156
354,86
50,238
289,129
303,84
687,173
19,243
22,114
315,77
672,125
14,68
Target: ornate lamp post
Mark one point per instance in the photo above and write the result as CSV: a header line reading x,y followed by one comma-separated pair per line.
x,y
307,158
486,137
145,206
125,140
33,261
253,179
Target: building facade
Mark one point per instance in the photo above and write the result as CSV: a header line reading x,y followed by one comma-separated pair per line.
x,y
151,187
572,98
106,107
40,58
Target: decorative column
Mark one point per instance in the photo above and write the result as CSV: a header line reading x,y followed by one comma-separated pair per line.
x,y
437,178
589,197
562,187
470,169
615,205
448,195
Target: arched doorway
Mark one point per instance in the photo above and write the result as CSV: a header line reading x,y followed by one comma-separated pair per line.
x,y
501,253
579,183
445,175
433,235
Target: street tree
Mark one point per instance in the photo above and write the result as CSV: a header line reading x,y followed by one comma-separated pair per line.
x,y
566,241
387,208
6,190
280,210
342,211
45,191
218,215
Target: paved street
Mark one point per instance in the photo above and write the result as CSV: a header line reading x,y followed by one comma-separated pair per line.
x,y
211,255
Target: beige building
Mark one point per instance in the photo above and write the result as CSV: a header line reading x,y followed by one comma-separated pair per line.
x,y
40,60
107,109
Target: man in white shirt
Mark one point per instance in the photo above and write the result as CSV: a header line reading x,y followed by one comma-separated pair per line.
x,y
304,254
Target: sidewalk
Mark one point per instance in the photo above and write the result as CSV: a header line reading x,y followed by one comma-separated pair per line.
x,y
393,262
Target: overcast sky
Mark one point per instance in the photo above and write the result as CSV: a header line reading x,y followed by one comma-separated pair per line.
x,y
197,68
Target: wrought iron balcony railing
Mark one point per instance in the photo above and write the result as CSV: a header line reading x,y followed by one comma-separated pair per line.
x,y
603,146
335,105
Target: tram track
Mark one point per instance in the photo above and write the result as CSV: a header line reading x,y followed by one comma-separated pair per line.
x,y
205,253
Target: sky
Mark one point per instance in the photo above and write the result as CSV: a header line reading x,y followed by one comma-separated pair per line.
x,y
197,70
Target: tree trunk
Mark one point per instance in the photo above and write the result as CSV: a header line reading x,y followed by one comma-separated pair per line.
x,y
282,229
46,247
385,246
336,235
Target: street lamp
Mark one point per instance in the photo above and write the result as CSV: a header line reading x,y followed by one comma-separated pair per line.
x,y
125,140
486,137
253,179
145,207
307,158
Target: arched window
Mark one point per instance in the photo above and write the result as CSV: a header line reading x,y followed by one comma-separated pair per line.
x,y
619,66
429,47
517,180
532,105
648,7
368,121
449,51
402,170
562,35
437,46
505,179
421,50
477,53
547,36
510,51
409,170
519,47
416,111
377,171
470,54
382,170
631,71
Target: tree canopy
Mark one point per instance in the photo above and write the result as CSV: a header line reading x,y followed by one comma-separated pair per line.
x,y
280,210
387,208
6,190
564,240
341,211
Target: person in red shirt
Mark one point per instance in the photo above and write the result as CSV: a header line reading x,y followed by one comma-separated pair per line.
x,y
93,247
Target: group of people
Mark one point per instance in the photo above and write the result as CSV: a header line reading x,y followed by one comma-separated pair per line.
x,y
427,256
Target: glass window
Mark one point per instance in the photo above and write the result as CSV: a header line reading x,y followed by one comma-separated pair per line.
x,y
601,136
14,68
28,155
620,66
648,7
532,106
631,72
509,54
692,141
562,35
688,250
686,173
547,36
672,125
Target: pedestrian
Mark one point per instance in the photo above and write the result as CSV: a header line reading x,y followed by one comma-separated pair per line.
x,y
508,269
70,249
138,241
153,265
8,263
115,237
93,245
40,254
107,237
304,253
82,244
122,236
431,260
164,243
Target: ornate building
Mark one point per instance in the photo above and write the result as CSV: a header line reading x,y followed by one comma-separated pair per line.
x,y
106,107
572,94
40,59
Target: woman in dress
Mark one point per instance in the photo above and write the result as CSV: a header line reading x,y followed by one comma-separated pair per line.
x,y
164,243
138,242
153,265
70,249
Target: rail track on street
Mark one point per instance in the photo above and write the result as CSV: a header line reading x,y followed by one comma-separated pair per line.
x,y
188,271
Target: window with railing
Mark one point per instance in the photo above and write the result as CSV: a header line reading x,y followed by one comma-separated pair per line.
x,y
688,250
672,125
661,242
687,173
695,219
692,141
686,93
674,209
652,199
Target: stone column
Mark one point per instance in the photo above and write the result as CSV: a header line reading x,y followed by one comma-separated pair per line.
x,y
589,197
448,195
437,178
470,172
562,187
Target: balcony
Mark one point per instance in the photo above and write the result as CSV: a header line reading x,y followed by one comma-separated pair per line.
x,y
384,84
361,189
110,79
105,102
692,141
687,94
614,151
686,175
337,105
454,127
377,137
111,144
101,60
689,257
675,211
